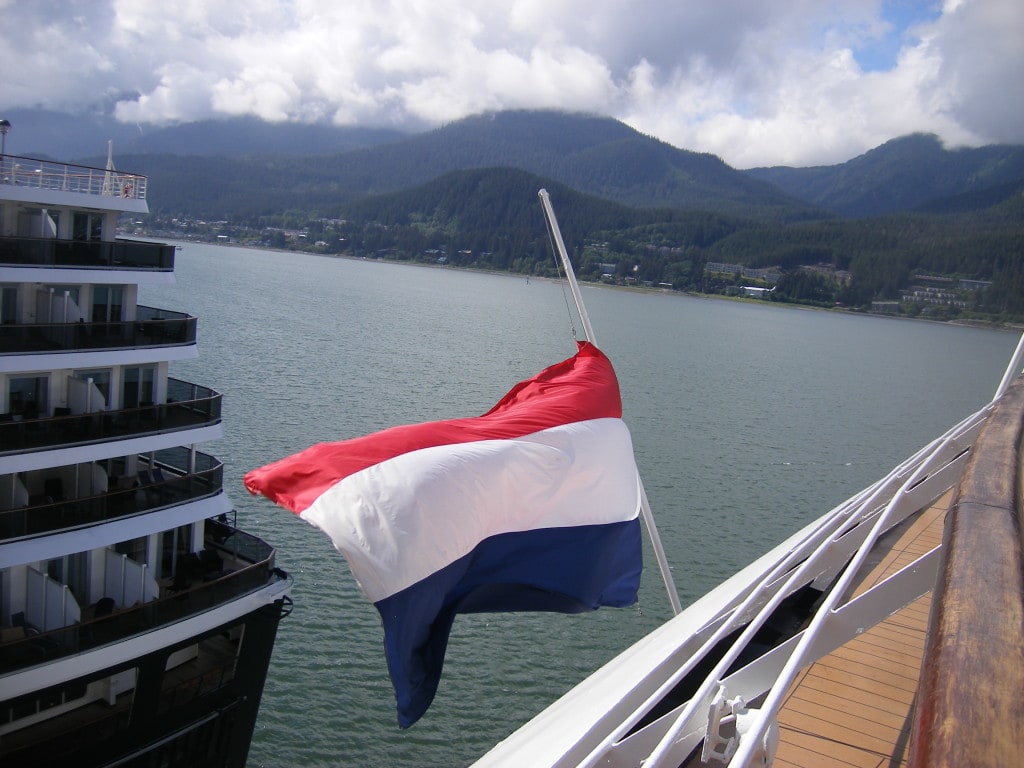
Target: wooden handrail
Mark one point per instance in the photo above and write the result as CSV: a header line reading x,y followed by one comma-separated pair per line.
x,y
970,703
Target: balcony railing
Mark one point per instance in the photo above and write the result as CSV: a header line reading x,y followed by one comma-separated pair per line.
x,y
188,406
151,328
198,597
64,177
119,254
168,483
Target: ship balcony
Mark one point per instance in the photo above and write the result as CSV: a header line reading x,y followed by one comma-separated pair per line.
x,y
189,406
166,482
151,328
119,254
231,565
46,182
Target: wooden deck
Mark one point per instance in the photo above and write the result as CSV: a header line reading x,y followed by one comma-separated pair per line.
x,y
854,708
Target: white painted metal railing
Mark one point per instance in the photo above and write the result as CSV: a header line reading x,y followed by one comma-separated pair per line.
x,y
897,495
886,502
44,174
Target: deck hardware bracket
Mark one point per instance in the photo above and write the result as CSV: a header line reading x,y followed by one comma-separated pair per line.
x,y
764,754
729,720
721,713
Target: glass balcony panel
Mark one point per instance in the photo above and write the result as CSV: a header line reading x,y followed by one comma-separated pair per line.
x,y
167,483
188,406
151,328
119,254
36,648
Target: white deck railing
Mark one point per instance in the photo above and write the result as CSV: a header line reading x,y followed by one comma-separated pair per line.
x,y
833,549
864,517
888,501
44,174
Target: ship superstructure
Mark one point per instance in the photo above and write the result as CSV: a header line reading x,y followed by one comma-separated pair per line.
x,y
136,619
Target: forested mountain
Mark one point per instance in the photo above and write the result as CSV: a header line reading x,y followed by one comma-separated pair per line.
x,y
482,210
1010,192
595,155
904,174
490,218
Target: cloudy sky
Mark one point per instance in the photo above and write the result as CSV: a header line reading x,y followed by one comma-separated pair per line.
x,y
757,82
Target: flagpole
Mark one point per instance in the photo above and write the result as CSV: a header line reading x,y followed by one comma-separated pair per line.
x,y
588,332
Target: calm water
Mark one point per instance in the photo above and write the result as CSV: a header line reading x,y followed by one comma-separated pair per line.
x,y
748,420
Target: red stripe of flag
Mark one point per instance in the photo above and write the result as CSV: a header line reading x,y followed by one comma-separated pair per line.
x,y
578,389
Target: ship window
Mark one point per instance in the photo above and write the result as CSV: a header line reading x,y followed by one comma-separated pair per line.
x,y
174,545
138,387
9,304
28,397
86,226
107,303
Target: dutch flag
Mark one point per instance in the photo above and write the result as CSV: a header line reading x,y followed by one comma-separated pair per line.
x,y
532,506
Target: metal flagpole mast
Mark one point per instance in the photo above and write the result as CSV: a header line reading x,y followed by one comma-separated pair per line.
x,y
588,331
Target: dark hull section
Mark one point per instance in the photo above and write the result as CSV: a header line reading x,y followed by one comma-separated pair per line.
x,y
193,704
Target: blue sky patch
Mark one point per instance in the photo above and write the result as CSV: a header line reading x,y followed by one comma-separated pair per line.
x,y
879,54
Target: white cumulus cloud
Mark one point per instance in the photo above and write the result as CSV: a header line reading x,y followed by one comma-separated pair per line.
x,y
798,83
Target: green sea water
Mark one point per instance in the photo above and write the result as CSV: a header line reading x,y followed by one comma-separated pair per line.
x,y
748,420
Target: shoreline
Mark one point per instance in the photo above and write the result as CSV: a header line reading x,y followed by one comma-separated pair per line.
x,y
965,322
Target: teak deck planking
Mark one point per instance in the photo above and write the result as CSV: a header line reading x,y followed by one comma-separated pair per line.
x,y
854,707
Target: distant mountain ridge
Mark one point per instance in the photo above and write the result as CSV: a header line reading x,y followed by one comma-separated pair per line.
x,y
594,155
904,174
244,167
